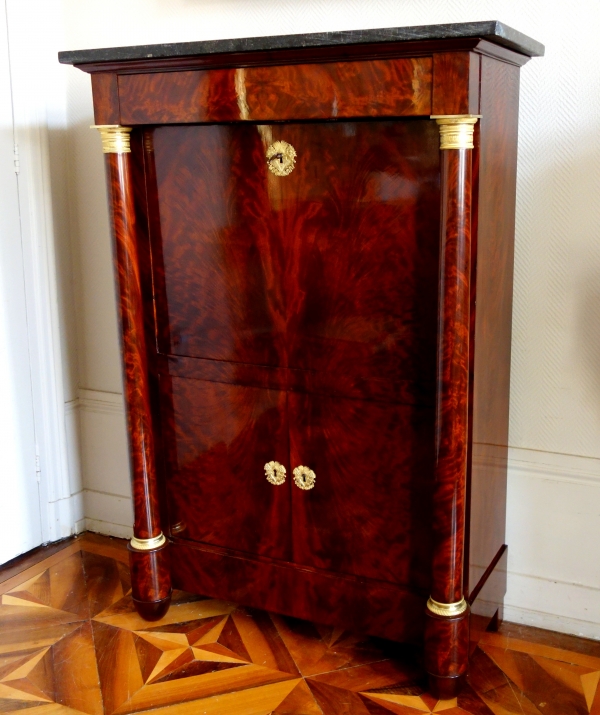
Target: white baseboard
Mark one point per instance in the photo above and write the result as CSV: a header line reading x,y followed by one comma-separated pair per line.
x,y
554,605
553,532
108,528
102,456
67,516
111,510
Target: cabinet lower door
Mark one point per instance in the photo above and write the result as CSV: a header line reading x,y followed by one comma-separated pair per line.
x,y
369,512
217,439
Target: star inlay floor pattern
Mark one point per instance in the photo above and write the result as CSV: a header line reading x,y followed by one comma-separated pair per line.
x,y
71,642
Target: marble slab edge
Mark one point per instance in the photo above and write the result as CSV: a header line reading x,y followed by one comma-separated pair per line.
x,y
493,31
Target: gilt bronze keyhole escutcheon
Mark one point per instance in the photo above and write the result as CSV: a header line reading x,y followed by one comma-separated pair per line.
x,y
275,473
281,158
304,478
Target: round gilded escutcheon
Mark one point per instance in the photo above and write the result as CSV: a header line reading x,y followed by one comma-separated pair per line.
x,y
304,478
275,473
281,158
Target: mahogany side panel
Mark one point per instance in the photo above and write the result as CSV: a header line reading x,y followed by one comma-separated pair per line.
x,y
495,211
453,381
106,98
370,509
487,604
358,604
394,87
455,83
219,437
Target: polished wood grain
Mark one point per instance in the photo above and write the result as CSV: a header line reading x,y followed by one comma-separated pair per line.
x,y
396,87
216,272
358,222
150,568
456,77
446,651
369,605
322,382
333,268
31,558
71,642
447,639
494,213
368,514
220,437
105,91
151,581
135,361
453,370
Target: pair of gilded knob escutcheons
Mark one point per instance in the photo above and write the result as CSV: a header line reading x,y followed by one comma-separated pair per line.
x,y
304,477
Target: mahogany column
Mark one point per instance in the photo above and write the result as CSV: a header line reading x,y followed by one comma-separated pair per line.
x,y
447,622
150,573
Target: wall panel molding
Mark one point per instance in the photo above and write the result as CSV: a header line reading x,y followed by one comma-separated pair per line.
x,y
569,468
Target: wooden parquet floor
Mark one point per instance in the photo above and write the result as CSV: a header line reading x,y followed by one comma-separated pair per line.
x,y
71,642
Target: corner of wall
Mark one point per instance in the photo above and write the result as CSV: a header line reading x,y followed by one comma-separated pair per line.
x,y
106,496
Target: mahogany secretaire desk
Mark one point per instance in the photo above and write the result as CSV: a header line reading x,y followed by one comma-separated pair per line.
x,y
313,240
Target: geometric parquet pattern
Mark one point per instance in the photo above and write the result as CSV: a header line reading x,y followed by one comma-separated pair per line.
x,y
71,643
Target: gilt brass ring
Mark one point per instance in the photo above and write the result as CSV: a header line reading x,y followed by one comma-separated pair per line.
x,y
148,544
447,609
304,478
275,473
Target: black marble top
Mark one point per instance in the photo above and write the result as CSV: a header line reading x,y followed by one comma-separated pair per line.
x,y
493,30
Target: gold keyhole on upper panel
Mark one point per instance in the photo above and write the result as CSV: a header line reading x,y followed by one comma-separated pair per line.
x,y
281,158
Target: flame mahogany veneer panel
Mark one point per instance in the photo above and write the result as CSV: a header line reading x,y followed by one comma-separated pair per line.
x,y
368,514
321,382
374,607
219,438
332,269
371,88
494,216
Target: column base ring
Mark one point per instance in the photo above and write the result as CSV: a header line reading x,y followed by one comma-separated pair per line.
x,y
148,544
447,609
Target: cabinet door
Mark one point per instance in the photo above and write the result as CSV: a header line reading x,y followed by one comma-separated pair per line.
x,y
218,438
369,512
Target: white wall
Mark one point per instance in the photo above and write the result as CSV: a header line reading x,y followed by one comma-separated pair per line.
x,y
41,493
554,480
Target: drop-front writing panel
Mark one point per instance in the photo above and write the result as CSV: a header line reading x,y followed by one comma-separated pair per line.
x,y
333,268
